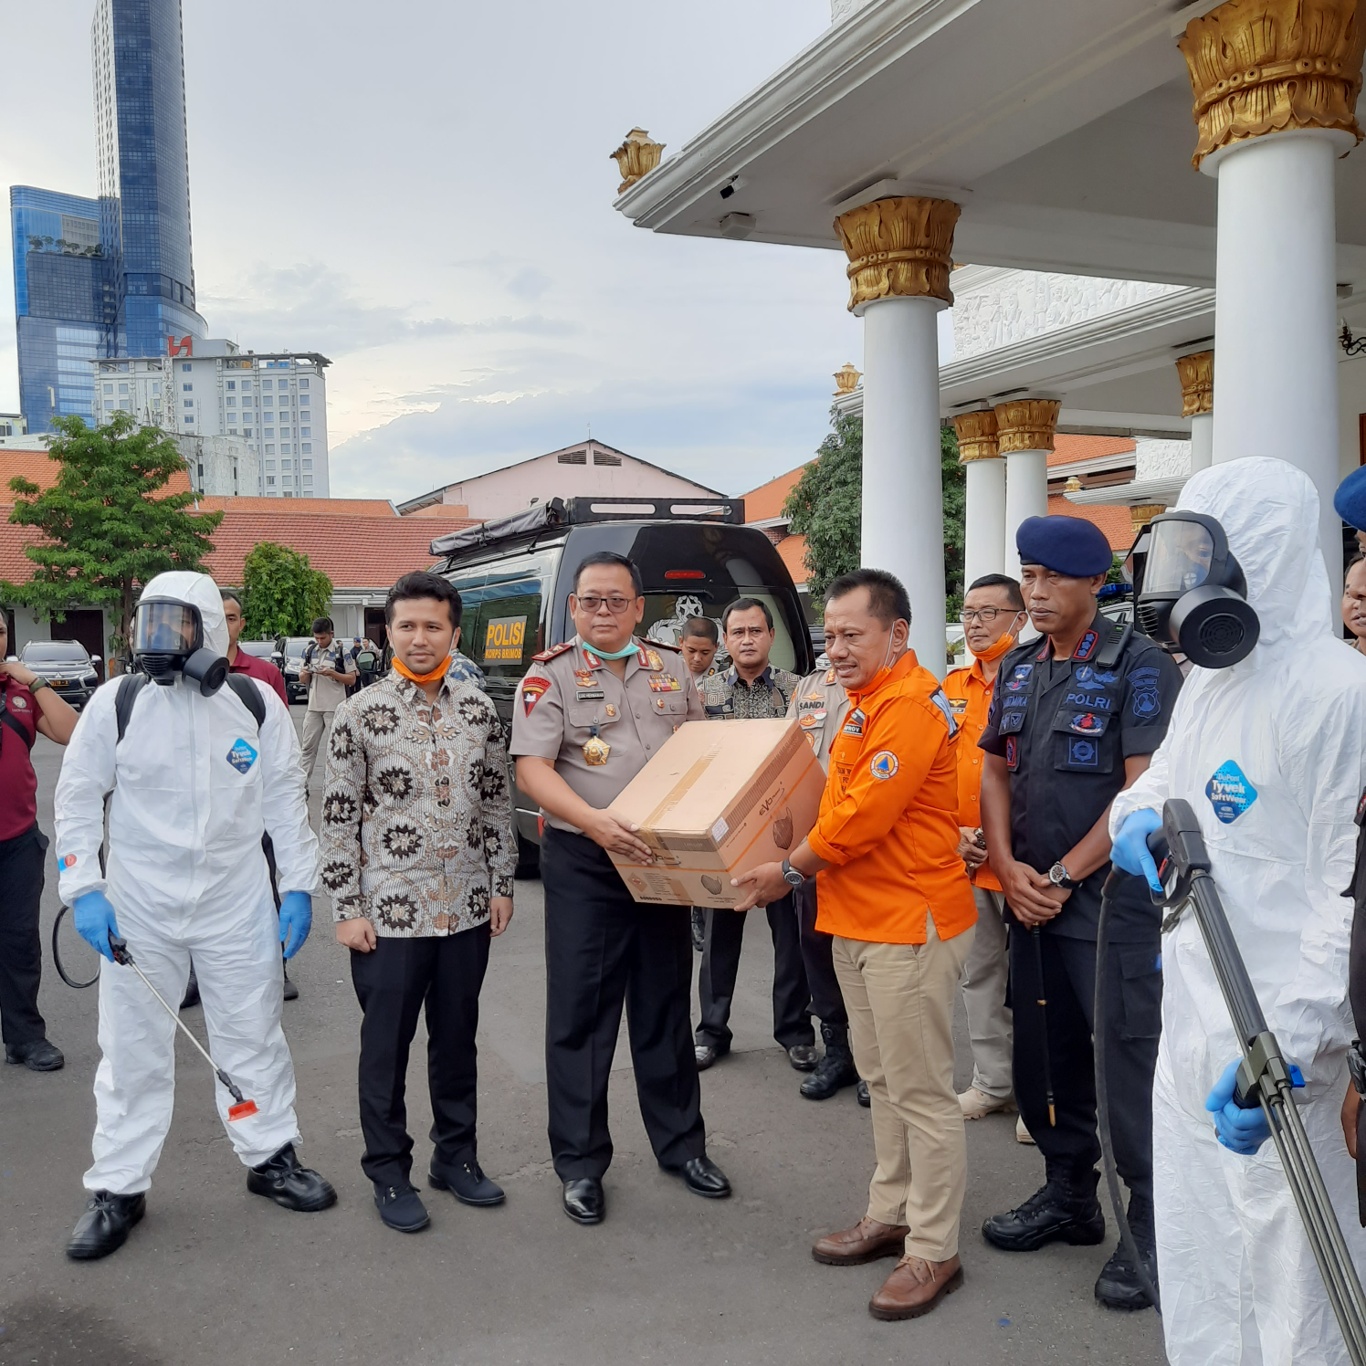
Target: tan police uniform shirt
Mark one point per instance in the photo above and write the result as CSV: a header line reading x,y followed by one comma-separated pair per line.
x,y
570,705
819,705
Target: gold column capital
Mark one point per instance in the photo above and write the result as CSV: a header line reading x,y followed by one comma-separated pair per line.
x,y
1196,373
976,435
847,378
1263,66
1143,513
900,247
1026,424
637,156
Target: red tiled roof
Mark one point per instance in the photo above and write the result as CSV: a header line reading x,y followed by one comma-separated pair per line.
x,y
766,502
1067,448
792,552
354,552
1114,522
365,507
41,469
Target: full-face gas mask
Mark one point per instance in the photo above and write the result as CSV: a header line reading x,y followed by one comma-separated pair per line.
x,y
168,636
1190,594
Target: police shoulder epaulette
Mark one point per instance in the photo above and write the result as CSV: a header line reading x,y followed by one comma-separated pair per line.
x,y
553,652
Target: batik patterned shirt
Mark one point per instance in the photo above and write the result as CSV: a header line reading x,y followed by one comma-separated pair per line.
x,y
417,815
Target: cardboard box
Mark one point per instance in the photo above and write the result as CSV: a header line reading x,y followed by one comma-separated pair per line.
x,y
718,799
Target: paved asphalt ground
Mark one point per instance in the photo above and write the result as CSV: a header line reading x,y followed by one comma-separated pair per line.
x,y
214,1274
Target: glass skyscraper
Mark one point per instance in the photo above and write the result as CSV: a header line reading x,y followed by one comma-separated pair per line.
x,y
64,302
112,276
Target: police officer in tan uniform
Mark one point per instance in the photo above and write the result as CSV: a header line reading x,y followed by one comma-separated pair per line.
x,y
590,714
819,705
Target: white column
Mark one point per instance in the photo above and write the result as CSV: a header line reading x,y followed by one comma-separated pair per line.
x,y
1202,441
985,530
1024,435
903,503
1275,315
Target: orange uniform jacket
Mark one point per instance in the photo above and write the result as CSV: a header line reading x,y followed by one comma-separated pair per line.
x,y
969,695
888,822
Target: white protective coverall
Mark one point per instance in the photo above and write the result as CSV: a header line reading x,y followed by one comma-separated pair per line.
x,y
1238,1280
187,876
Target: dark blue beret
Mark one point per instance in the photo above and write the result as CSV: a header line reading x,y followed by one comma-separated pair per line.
x,y
1066,545
1349,502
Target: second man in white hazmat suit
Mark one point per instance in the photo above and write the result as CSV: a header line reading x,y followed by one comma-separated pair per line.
x,y
193,784
1271,754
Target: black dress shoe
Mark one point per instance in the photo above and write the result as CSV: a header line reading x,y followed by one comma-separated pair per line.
x,y
104,1226
861,1094
803,1057
287,1182
1064,1210
703,1177
466,1181
583,1200
38,1056
707,1054
401,1208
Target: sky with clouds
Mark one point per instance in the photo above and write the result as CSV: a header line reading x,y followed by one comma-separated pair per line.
x,y
422,191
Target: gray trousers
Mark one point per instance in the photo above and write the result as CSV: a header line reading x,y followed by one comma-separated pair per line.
x,y
984,997
316,726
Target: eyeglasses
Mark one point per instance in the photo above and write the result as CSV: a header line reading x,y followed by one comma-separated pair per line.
x,y
986,615
616,604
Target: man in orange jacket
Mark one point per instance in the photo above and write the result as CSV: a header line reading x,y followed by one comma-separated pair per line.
x,y
993,614
894,893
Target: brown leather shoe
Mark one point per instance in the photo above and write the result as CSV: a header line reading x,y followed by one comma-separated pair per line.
x,y
865,1242
915,1287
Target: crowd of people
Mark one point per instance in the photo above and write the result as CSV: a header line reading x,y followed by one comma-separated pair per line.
x,y
970,839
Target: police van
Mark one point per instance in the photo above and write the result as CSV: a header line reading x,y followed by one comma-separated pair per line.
x,y
695,556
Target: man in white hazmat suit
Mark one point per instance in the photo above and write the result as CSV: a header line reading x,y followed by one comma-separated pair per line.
x,y
1271,754
201,772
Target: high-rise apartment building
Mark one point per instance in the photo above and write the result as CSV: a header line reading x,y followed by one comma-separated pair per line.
x,y
111,276
63,301
273,403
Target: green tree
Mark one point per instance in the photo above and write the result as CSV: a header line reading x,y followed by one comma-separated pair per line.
x,y
107,523
283,592
825,507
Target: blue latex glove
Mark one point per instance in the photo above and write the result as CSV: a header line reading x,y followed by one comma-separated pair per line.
x,y
95,921
1240,1131
1130,850
296,919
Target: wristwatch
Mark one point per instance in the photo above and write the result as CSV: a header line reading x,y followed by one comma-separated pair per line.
x,y
792,876
1059,877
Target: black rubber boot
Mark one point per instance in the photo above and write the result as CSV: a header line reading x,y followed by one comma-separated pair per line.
x,y
105,1225
284,1179
835,1069
1064,1210
1119,1285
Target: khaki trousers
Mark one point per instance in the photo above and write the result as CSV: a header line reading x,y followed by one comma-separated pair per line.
x,y
900,999
984,997
316,726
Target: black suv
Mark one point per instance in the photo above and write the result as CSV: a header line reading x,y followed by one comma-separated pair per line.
x,y
515,575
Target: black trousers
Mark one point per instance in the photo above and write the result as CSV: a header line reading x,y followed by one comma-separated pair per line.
x,y
393,982
21,952
603,951
827,1005
721,966
1133,1021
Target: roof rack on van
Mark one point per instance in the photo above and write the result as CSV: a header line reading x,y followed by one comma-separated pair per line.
x,y
559,512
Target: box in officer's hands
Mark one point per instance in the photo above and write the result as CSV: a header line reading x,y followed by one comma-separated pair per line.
x,y
720,798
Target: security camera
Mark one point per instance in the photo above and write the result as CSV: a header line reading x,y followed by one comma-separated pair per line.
x,y
736,182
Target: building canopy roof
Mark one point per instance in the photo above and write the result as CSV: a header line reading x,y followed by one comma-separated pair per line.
x,y
1063,128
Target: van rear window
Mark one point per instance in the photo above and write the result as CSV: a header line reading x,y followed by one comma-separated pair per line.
x,y
666,613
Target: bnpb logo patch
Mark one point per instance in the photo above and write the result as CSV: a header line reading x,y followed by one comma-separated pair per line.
x,y
883,764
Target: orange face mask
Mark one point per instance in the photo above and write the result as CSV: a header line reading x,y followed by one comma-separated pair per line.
x,y
997,649
422,679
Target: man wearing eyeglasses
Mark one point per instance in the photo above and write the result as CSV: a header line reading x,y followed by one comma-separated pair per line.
x,y
590,714
993,615
752,689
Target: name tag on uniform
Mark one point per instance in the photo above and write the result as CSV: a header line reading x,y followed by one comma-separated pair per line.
x,y
664,683
588,694
854,725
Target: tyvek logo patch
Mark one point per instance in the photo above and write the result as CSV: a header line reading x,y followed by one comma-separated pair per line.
x,y
241,756
1229,791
